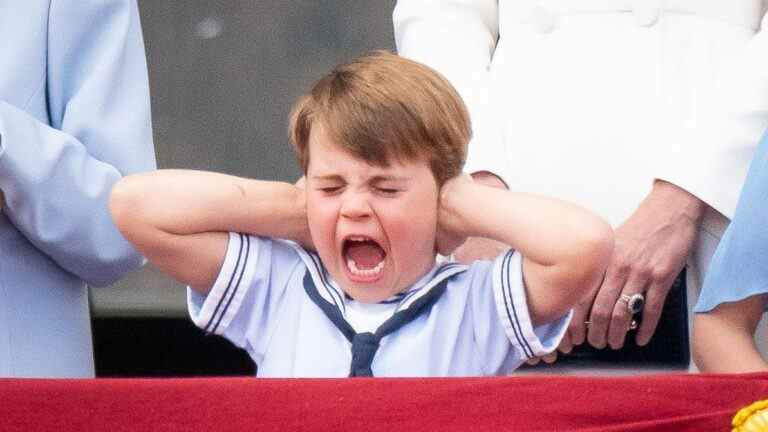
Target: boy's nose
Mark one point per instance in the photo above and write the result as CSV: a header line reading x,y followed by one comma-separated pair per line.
x,y
355,206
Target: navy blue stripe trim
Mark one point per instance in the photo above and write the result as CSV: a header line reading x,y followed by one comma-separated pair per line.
x,y
397,298
237,285
333,313
335,296
229,285
438,273
506,291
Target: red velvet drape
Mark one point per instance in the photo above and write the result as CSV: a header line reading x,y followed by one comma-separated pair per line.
x,y
529,403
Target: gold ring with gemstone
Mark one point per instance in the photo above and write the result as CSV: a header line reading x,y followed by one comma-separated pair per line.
x,y
635,302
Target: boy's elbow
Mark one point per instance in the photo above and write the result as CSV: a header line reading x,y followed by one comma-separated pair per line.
x,y
599,245
592,257
124,203
581,270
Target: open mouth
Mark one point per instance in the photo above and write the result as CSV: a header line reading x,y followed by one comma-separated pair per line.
x,y
364,257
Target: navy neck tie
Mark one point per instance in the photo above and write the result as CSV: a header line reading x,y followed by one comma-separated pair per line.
x,y
365,345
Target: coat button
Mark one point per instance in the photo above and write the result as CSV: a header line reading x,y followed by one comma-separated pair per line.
x,y
543,20
646,12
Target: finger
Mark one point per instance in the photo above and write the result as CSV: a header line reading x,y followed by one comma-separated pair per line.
x,y
654,303
566,346
605,301
621,318
550,358
577,330
533,361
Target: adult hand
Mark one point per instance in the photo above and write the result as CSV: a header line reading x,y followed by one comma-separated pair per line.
x,y
652,247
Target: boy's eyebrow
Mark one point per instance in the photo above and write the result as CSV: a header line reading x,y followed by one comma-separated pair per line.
x,y
374,179
383,178
329,177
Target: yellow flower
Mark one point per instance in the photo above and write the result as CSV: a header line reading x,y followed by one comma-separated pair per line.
x,y
752,418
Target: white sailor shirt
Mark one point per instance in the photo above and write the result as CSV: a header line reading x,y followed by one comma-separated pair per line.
x,y
480,325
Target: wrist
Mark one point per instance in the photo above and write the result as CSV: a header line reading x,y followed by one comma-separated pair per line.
x,y
690,206
299,227
455,202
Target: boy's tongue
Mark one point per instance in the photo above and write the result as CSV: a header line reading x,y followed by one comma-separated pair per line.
x,y
365,254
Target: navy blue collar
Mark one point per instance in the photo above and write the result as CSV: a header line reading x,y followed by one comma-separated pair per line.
x,y
332,293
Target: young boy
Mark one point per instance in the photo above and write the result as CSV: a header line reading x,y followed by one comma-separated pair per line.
x,y
381,141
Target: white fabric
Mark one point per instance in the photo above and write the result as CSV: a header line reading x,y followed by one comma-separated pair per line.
x,y
592,100
479,326
367,317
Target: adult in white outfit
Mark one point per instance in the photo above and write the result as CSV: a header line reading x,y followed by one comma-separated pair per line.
x,y
645,111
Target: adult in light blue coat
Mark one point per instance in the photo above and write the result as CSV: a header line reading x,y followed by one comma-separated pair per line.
x,y
74,118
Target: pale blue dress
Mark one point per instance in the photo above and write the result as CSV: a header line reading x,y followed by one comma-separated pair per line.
x,y
739,268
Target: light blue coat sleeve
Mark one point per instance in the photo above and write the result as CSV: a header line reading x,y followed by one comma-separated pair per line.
x,y
57,178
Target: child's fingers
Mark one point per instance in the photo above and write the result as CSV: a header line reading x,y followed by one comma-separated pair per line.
x,y
533,361
550,358
566,346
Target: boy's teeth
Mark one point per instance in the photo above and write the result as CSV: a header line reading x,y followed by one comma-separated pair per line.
x,y
366,272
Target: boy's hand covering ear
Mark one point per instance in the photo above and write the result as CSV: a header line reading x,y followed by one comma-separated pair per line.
x,y
478,248
304,238
450,228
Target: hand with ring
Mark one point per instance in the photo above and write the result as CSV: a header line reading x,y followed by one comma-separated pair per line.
x,y
651,249
632,325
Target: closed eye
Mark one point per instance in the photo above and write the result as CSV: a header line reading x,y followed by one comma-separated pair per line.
x,y
387,191
330,190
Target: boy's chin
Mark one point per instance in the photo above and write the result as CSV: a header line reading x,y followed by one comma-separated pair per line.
x,y
367,294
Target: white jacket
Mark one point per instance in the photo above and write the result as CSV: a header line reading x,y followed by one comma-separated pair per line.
x,y
590,100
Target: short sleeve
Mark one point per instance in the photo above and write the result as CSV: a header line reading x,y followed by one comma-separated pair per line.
x,y
504,333
247,295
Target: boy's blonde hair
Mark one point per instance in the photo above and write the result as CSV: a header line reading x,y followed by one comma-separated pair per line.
x,y
381,106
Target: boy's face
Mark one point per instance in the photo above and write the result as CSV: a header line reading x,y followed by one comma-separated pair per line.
x,y
373,227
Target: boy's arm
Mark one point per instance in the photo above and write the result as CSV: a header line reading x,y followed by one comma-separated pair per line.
x,y
179,219
724,338
565,248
